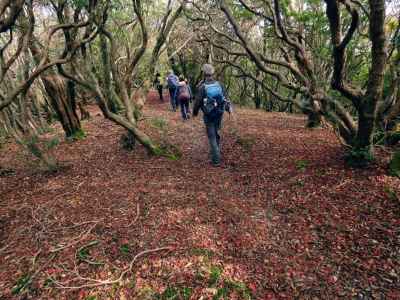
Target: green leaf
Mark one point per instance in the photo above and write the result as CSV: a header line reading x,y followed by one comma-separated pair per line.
x,y
21,284
125,249
80,3
394,165
215,275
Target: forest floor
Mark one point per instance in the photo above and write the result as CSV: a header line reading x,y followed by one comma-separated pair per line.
x,y
282,218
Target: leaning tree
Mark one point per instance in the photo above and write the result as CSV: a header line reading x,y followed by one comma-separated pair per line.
x,y
30,52
324,87
116,69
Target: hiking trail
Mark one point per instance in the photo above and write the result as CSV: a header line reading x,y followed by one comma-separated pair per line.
x,y
281,218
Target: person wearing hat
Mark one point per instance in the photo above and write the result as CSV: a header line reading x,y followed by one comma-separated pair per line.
x,y
211,98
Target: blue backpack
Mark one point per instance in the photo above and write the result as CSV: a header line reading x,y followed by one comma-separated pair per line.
x,y
172,81
214,103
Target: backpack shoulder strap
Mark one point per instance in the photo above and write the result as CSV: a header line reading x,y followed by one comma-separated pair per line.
x,y
220,86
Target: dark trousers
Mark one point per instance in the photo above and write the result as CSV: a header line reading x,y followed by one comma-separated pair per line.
x,y
185,110
212,128
159,89
172,98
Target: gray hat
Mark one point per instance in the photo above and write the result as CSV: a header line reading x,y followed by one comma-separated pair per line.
x,y
208,69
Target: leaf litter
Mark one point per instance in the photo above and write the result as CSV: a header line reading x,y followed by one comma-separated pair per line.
x,y
282,218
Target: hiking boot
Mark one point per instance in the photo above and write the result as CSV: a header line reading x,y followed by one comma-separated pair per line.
x,y
216,164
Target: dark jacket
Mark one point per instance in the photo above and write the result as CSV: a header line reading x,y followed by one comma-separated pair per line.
x,y
201,94
157,82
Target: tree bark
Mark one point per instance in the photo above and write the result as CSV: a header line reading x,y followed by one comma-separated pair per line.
x,y
367,111
63,103
61,94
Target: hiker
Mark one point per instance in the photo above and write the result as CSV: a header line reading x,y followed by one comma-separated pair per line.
x,y
172,81
158,86
212,100
183,96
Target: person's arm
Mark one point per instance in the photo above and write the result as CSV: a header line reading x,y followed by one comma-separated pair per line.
x,y
228,104
176,91
224,91
190,92
198,101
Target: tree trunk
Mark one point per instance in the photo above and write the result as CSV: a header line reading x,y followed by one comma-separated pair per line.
x,y
61,95
85,115
257,94
136,132
37,109
105,59
367,111
62,98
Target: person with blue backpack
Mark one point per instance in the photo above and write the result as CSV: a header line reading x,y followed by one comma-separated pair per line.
x,y
173,82
211,98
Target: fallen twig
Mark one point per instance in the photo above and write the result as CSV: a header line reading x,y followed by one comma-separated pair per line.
x,y
137,216
384,149
4,248
34,259
96,282
79,224
79,256
76,241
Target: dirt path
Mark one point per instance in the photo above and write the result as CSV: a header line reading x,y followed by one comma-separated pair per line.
x,y
282,218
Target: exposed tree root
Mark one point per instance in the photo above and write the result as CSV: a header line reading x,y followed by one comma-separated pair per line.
x,y
95,282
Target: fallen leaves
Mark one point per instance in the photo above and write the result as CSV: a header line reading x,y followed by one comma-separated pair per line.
x,y
282,218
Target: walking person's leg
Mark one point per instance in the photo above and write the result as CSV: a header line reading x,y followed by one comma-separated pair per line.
x,y
218,138
183,110
187,110
212,139
172,99
160,93
217,129
177,103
